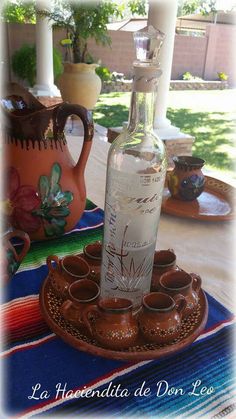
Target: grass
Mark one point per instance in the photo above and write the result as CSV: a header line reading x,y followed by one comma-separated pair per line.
x,y
207,115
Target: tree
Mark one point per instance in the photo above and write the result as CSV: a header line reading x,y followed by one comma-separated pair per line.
x,y
81,19
19,12
189,7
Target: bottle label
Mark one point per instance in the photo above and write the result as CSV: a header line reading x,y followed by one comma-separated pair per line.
x,y
133,204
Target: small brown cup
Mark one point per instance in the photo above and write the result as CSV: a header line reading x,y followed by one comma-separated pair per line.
x,y
160,317
112,323
164,260
80,294
93,255
67,270
180,282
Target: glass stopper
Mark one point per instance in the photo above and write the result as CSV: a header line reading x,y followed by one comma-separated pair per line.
x,y
148,45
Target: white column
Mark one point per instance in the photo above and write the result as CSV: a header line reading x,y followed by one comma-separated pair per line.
x,y
162,15
44,49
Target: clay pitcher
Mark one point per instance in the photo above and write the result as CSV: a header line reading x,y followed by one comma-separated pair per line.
x,y
45,191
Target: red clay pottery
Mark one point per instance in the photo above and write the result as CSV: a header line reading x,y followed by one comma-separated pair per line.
x,y
164,260
186,181
93,255
45,190
160,317
80,294
12,258
180,282
112,323
66,271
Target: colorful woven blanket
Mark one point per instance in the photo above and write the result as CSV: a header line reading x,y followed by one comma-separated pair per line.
x,y
45,376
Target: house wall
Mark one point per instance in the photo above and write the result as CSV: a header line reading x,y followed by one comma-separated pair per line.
x,y
201,56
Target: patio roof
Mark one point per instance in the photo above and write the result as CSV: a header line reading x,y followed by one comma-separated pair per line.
x,y
198,21
129,25
195,21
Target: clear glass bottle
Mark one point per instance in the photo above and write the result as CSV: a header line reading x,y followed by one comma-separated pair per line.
x,y
136,172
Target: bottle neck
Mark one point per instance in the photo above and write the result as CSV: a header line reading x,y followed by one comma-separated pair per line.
x,y
141,113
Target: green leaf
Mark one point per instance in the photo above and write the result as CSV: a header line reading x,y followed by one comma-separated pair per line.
x,y
68,196
49,230
43,187
55,175
63,198
55,227
55,192
59,212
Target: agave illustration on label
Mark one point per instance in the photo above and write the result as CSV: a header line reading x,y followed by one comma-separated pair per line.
x,y
125,272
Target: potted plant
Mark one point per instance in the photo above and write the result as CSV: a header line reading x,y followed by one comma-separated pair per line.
x,y
79,83
23,64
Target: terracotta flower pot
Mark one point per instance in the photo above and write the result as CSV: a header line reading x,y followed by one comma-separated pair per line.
x,y
80,84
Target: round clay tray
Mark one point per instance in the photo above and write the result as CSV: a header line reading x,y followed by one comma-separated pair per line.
x,y
214,204
80,339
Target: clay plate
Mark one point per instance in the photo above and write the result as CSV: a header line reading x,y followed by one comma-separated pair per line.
x,y
214,204
80,339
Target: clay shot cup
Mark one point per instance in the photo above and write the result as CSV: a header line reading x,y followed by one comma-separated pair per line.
x,y
176,282
65,271
93,255
81,293
160,317
112,323
93,251
164,260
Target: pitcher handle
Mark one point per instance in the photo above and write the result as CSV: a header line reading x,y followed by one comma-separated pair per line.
x,y
91,309
63,112
197,282
24,237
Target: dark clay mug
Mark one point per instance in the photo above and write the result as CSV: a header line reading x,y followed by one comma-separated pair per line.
x,y
80,294
160,317
112,323
66,271
12,258
180,282
186,181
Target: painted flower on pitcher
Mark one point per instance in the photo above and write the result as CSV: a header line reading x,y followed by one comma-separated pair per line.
x,y
28,209
20,202
54,202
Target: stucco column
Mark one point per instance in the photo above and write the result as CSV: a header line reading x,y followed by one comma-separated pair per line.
x,y
44,49
162,15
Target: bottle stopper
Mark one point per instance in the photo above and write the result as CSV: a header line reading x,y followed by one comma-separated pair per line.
x,y
146,66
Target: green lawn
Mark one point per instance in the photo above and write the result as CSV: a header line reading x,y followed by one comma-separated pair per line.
x,y
207,115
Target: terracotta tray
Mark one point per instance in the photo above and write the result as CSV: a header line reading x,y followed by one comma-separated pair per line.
x,y
80,338
214,204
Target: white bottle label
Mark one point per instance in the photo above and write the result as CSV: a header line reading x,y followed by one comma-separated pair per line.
x,y
133,204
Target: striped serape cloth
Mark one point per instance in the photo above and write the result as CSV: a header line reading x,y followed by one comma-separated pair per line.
x,y
43,376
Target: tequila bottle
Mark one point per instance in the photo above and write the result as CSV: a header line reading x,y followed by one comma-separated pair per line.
x,y
136,172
